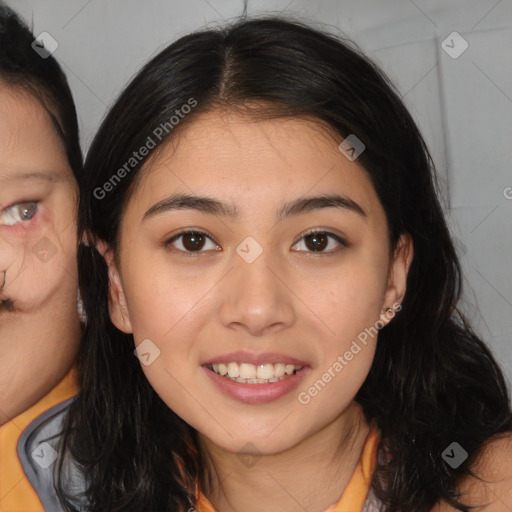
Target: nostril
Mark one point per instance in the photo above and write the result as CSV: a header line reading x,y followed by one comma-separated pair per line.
x,y
6,304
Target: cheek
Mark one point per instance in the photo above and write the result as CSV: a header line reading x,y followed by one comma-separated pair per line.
x,y
171,312
161,301
40,261
349,303
348,299
181,395
335,385
172,318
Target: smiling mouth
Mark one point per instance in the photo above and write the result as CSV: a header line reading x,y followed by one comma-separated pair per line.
x,y
246,373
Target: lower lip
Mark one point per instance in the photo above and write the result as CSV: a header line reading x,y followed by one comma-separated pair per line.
x,y
257,393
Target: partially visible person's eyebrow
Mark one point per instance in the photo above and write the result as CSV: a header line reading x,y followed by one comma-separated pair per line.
x,y
49,176
215,207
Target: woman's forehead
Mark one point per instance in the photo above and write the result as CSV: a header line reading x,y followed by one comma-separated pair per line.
x,y
254,167
254,153
29,145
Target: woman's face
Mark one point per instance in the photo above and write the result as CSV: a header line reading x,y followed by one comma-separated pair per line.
x,y
254,294
39,324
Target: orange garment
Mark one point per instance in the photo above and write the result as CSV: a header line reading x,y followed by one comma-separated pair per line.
x,y
16,493
355,493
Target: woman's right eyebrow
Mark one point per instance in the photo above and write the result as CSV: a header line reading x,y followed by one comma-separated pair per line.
x,y
214,206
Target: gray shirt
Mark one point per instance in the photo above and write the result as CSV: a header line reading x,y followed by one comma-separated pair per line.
x,y
38,449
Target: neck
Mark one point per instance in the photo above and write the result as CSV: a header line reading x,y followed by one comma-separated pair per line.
x,y
310,476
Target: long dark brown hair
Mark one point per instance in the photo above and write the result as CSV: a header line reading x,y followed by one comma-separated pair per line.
x,y
433,381
23,68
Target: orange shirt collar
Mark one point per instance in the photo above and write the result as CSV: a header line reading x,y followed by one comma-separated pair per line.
x,y
16,493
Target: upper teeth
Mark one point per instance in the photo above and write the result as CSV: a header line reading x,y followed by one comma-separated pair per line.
x,y
250,371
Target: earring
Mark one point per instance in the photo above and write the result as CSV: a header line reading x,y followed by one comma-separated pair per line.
x,y
80,307
389,310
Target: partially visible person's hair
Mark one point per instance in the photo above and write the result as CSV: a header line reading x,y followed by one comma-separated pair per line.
x,y
22,67
433,381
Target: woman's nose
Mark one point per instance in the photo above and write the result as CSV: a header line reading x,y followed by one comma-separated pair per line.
x,y
256,298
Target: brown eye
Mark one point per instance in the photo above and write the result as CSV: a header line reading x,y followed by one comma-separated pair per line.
x,y
191,242
318,241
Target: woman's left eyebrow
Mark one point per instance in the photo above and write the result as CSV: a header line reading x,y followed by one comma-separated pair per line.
x,y
214,206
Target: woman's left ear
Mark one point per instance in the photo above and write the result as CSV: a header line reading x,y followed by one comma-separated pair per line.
x,y
397,280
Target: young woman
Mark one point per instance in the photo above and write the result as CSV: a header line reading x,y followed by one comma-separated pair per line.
x,y
262,227
40,160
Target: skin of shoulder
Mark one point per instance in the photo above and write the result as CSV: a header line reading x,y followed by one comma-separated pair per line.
x,y
492,490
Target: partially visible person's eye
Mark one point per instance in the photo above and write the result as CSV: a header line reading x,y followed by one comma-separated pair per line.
x,y
318,241
20,212
192,241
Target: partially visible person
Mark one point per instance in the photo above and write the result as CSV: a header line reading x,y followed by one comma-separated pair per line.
x,y
40,327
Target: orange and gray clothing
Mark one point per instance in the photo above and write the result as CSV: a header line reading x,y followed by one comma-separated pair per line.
x,y
28,451
29,447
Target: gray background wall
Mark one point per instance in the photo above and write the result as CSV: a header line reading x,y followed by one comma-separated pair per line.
x,y
463,105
